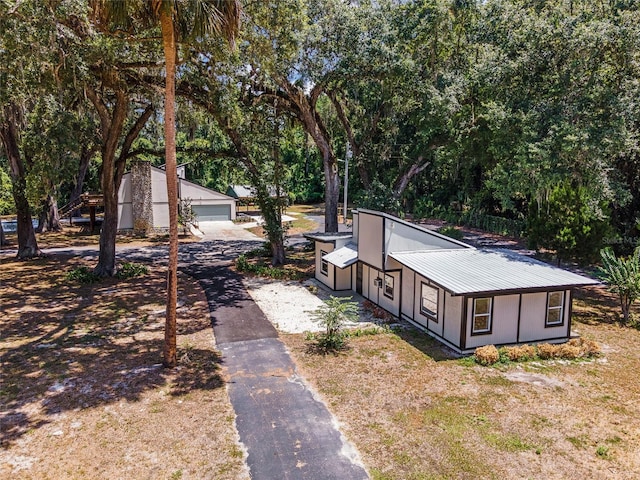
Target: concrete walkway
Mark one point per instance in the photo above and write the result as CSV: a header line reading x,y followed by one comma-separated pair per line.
x,y
288,432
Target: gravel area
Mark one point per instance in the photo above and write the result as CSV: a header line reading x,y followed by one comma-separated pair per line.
x,y
289,305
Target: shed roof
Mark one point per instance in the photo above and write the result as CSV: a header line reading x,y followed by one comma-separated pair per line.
x,y
343,257
327,237
475,271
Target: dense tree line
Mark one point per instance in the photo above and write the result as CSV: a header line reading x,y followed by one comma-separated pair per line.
x,y
522,110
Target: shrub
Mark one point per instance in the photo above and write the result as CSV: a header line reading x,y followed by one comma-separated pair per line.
x,y
487,355
547,351
568,351
130,270
332,316
623,277
82,275
521,353
590,348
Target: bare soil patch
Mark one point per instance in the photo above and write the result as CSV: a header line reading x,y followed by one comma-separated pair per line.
x,y
415,411
83,393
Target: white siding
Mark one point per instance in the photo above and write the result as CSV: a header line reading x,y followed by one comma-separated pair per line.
x,y
326,279
452,318
424,320
159,187
343,277
370,239
504,322
534,316
125,216
354,228
408,294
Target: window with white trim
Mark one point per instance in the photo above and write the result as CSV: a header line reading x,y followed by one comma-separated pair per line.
x,y
481,323
388,286
324,265
429,301
555,308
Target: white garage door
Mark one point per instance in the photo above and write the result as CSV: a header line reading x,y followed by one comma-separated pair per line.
x,y
209,213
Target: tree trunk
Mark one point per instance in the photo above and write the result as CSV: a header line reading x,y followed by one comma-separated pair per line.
x,y
27,243
169,46
49,220
3,241
106,266
331,195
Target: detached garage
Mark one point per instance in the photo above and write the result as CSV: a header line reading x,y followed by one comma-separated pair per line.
x,y
143,202
212,213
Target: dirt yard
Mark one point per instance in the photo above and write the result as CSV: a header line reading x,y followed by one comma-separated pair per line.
x,y
416,412
83,394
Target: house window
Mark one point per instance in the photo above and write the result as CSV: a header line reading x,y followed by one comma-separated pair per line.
x,y
388,286
555,308
481,316
429,301
324,265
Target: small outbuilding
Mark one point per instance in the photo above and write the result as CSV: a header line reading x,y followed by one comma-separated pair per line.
x,y
463,296
143,201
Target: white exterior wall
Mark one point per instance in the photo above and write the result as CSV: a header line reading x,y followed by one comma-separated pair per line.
x,y
429,323
199,195
534,315
408,293
370,235
390,304
354,228
342,277
504,322
125,211
326,279
452,318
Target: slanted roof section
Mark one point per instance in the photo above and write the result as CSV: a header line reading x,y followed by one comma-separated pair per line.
x,y
343,257
475,271
241,191
327,237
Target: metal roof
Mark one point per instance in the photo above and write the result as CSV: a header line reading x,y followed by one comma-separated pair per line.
x,y
473,271
343,257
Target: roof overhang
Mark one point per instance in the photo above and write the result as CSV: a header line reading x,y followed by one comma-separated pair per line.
x,y
343,257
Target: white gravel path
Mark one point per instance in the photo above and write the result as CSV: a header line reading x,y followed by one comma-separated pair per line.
x,y
288,305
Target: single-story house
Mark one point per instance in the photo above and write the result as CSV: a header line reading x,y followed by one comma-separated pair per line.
x,y
143,202
463,296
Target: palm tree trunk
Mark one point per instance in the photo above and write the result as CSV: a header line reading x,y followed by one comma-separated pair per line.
x,y
169,45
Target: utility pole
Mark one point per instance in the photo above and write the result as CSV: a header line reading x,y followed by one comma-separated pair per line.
x,y
346,181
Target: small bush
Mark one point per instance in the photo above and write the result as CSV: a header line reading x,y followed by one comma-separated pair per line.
x,y
568,352
547,351
590,348
487,355
521,353
130,270
82,275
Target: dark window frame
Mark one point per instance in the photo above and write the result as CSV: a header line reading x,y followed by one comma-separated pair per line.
x,y
489,330
393,280
324,265
433,316
548,324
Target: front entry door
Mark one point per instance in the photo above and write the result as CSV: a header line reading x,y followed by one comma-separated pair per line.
x,y
359,278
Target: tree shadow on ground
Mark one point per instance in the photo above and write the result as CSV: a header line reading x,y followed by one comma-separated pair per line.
x,y
68,347
425,343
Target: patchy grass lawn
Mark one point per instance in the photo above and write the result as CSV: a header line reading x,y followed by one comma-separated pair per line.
x,y
416,412
83,393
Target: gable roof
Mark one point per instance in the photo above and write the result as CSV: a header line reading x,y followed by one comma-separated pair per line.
x,y
475,271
